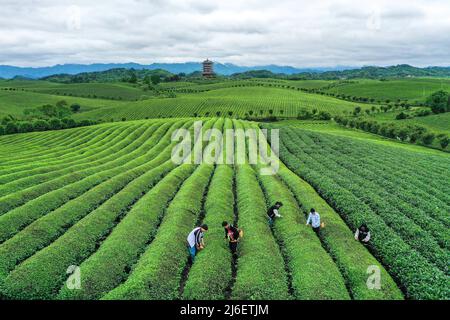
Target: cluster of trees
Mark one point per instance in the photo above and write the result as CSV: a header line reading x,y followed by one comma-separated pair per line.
x,y
60,110
43,118
9,126
305,114
118,75
439,102
380,73
411,133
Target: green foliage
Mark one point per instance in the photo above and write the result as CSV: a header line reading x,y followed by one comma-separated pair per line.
x,y
11,128
127,240
158,273
211,274
261,273
75,107
55,124
444,140
401,116
397,219
351,257
25,126
439,102
155,79
428,138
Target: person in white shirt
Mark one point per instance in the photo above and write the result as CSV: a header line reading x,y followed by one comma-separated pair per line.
x,y
362,234
314,220
195,240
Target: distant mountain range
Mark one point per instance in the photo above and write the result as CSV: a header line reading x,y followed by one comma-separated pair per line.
x,y
69,70
9,72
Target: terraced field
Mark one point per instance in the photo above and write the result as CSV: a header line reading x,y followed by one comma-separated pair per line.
x,y
259,98
112,91
254,101
414,90
108,199
15,102
401,193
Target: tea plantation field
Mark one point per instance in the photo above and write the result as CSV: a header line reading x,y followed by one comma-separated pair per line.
x,y
109,199
401,192
106,201
254,98
413,90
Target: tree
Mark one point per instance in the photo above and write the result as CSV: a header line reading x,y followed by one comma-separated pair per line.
x,y
68,123
156,79
402,134
62,112
75,107
444,140
439,102
375,127
2,130
40,125
49,110
428,138
133,77
391,132
304,114
25,126
61,103
401,116
55,124
357,111
5,120
322,115
11,128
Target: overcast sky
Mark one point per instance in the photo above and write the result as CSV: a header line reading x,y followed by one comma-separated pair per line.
x,y
302,33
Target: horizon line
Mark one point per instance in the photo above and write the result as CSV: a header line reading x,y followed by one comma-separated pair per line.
x,y
229,63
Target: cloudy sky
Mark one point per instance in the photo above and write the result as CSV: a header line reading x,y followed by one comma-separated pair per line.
x,y
300,33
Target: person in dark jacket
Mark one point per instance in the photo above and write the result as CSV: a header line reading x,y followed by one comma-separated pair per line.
x,y
232,234
362,234
273,213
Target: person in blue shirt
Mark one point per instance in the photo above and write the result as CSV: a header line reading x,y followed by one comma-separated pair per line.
x,y
314,220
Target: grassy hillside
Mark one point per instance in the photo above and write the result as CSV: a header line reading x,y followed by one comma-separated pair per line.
x,y
15,102
392,89
253,101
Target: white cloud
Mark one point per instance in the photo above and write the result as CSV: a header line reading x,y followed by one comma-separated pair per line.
x,y
73,18
289,32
